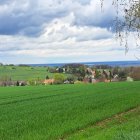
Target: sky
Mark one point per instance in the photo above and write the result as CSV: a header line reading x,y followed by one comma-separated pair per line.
x,y
59,31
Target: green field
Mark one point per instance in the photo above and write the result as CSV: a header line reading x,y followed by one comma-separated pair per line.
x,y
123,126
24,73
71,112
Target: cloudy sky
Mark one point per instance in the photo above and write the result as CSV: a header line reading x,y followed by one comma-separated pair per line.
x,y
53,31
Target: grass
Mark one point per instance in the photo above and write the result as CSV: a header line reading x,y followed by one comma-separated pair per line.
x,y
121,127
54,112
24,73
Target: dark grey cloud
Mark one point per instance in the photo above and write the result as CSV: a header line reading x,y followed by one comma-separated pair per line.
x,y
93,15
31,24
105,22
4,1
28,17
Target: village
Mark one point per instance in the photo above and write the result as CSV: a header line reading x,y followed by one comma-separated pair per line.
x,y
75,74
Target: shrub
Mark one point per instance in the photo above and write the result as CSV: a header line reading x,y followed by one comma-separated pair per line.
x,y
59,78
136,73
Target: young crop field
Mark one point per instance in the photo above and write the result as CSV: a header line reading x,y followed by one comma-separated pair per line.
x,y
123,126
103,111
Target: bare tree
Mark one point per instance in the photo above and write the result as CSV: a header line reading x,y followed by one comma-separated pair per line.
x,y
127,20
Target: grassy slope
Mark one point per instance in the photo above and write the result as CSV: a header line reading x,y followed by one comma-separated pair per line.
x,y
23,73
55,111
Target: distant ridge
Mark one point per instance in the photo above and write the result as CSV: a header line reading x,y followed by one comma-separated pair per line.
x,y
110,63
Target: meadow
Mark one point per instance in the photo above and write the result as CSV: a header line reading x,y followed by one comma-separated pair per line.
x,y
70,112
24,72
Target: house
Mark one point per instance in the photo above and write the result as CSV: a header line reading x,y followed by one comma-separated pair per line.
x,y
129,79
66,82
115,78
22,83
48,81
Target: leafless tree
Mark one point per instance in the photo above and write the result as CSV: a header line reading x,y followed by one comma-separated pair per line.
x,y
127,20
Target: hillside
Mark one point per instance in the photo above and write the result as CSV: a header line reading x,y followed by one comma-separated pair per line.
x,y
23,73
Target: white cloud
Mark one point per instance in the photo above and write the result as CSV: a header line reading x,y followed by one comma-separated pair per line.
x,y
57,31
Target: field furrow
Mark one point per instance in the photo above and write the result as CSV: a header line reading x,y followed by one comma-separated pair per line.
x,y
52,112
